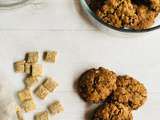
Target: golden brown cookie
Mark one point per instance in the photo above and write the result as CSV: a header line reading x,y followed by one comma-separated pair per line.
x,y
130,92
113,111
95,85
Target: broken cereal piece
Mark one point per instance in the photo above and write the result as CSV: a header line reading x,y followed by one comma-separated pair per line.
x,y
36,70
41,92
27,68
28,105
30,81
50,84
19,66
50,56
41,116
32,57
24,95
55,108
19,113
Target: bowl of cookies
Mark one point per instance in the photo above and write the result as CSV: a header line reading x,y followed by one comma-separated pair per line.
x,y
124,15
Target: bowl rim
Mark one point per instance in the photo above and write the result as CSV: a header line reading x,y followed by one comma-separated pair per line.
x,y
14,5
89,10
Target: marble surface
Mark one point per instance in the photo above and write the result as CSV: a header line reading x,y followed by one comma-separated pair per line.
x,y
62,26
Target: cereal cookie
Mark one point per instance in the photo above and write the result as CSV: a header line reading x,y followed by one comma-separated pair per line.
x,y
130,92
95,85
113,111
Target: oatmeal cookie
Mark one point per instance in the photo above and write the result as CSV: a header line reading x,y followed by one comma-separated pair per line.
x,y
130,92
119,13
113,111
95,85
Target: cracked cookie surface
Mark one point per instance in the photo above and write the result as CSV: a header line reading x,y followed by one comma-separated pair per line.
x,y
130,92
95,85
113,111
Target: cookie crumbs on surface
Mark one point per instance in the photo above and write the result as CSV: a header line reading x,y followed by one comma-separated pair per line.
x,y
50,84
50,56
30,81
55,108
32,57
28,105
19,66
37,70
24,95
41,116
41,92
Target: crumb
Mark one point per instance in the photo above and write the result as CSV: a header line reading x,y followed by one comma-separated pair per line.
x,y
50,84
19,66
55,108
41,92
50,56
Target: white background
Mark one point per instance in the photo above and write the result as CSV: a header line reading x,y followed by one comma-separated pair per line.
x,y
61,25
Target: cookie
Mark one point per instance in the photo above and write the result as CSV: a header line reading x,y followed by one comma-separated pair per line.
x,y
113,111
130,92
95,85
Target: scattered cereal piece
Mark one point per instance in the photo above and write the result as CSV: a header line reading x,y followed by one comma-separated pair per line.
x,y
19,66
41,116
36,70
19,113
24,95
55,108
28,105
32,57
50,56
30,80
50,84
27,68
41,92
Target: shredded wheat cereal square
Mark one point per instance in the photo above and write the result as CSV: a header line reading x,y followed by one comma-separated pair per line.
x,y
50,84
28,105
37,70
41,116
41,92
19,66
30,81
32,57
55,108
27,68
50,56
24,95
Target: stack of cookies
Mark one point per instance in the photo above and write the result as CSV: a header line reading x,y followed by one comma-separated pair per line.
x,y
118,95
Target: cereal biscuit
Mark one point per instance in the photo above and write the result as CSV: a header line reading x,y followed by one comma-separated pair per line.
x,y
24,95
32,57
113,111
30,81
55,108
50,84
41,116
28,105
27,68
130,92
19,113
19,66
95,85
41,92
37,70
50,56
